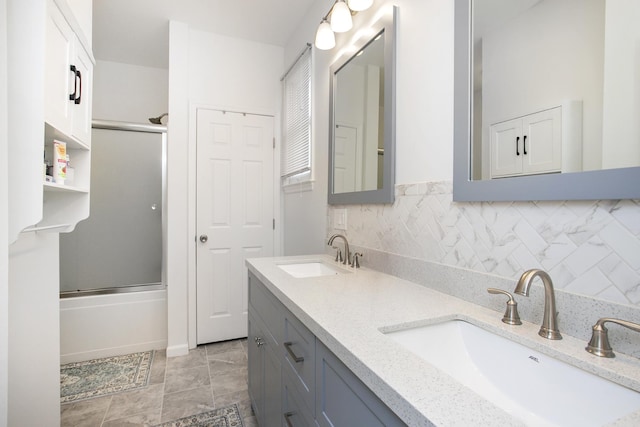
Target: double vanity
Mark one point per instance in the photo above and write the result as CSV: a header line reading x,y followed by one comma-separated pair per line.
x,y
325,336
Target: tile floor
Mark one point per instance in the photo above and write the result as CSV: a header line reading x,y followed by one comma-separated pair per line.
x,y
209,377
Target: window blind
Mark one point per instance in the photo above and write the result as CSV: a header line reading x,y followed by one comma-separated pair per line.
x,y
296,129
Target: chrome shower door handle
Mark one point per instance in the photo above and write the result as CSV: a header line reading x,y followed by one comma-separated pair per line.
x,y
204,238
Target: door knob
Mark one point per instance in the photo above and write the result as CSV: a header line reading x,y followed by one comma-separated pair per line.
x,y
204,238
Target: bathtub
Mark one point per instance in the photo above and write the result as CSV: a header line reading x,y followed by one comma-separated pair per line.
x,y
95,326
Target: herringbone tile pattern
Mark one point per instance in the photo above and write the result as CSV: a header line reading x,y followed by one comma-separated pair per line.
x,y
589,247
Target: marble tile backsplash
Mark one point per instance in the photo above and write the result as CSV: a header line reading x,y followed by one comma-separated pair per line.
x,y
590,248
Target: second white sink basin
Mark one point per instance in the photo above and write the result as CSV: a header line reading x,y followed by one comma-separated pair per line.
x,y
536,388
311,269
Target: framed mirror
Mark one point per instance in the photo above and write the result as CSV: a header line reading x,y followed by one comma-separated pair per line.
x,y
543,102
362,119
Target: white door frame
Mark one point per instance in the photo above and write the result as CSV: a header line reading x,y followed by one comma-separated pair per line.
x,y
191,225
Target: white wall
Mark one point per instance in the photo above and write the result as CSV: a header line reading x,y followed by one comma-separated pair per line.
x,y
4,221
129,93
31,300
177,267
205,70
34,338
304,213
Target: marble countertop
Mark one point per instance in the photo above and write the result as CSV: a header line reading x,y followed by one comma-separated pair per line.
x,y
347,312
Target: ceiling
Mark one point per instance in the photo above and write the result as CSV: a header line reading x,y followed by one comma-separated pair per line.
x,y
137,31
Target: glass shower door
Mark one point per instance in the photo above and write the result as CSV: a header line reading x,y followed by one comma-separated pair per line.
x,y
119,247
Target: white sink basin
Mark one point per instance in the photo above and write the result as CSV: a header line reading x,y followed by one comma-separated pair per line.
x,y
311,269
531,386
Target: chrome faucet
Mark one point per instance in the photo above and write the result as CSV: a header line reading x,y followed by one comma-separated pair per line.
x,y
347,254
599,343
549,328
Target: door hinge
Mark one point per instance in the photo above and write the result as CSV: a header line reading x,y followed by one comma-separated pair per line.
x,y
274,223
274,142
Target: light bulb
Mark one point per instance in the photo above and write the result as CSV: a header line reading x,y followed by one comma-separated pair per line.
x,y
341,17
359,5
325,39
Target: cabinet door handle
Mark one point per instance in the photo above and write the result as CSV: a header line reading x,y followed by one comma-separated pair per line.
x,y
524,145
72,68
297,359
79,98
517,145
287,416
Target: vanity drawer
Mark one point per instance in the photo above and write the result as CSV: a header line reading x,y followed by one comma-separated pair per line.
x,y
294,412
299,357
267,308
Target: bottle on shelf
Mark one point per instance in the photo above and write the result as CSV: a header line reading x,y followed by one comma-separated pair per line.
x,y
59,162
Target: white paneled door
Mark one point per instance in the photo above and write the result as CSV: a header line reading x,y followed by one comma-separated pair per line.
x,y
234,216
347,173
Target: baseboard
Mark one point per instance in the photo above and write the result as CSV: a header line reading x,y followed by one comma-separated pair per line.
x,y
178,350
113,351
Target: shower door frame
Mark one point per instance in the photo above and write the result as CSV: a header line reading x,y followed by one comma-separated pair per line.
x,y
144,128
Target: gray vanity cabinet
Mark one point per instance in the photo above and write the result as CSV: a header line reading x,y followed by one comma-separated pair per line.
x,y
342,399
265,379
299,360
294,380
294,409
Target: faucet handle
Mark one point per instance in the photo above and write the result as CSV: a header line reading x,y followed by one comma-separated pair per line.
x,y
355,261
511,316
599,343
338,253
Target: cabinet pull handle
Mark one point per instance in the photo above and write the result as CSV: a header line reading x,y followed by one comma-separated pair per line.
x,y
524,144
79,98
517,145
287,416
297,359
72,97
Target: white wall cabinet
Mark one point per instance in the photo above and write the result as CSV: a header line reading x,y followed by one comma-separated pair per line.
x,y
547,141
68,78
67,70
527,145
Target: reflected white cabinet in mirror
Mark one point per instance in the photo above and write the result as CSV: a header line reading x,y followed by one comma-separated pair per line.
x,y
517,58
362,119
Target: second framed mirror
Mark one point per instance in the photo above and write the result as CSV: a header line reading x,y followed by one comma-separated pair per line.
x,y
362,120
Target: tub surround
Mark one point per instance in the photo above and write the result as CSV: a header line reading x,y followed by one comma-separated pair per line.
x,y
349,313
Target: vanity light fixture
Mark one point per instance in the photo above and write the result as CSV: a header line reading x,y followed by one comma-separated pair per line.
x,y
341,21
340,17
325,39
359,5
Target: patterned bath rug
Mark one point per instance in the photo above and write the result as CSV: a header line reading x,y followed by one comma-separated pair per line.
x,y
228,416
100,377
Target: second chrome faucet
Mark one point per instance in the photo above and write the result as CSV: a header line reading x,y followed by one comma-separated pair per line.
x,y
347,260
347,253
